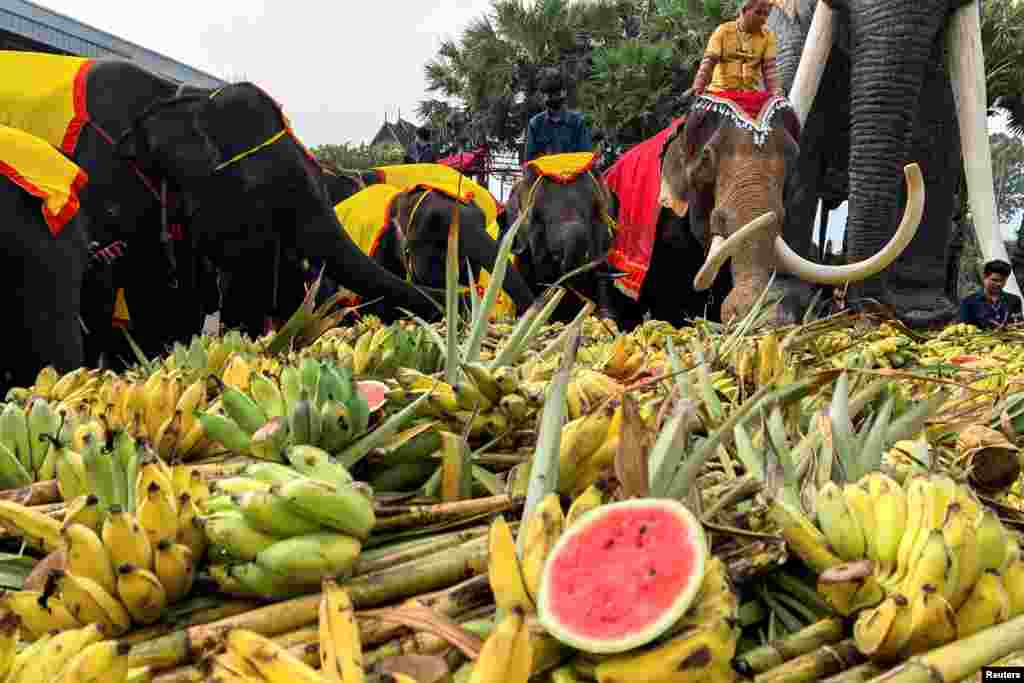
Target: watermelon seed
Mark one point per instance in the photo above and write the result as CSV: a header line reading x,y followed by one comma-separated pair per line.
x,y
609,543
643,528
652,572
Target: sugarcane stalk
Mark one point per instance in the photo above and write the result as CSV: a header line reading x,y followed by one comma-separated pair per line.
x,y
858,674
390,556
303,643
961,658
195,618
39,493
810,638
421,643
503,460
827,660
411,516
371,590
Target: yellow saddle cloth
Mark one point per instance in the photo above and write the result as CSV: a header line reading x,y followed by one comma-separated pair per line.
x,y
364,216
43,172
563,168
443,179
44,95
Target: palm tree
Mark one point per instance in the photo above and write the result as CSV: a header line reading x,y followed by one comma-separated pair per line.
x,y
1001,25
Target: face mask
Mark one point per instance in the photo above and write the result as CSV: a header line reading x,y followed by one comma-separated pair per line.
x,y
554,102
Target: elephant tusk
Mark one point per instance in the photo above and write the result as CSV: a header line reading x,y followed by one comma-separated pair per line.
x,y
966,64
809,271
817,48
721,249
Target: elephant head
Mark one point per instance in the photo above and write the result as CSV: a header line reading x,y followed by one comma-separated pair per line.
x,y
892,45
567,227
423,217
714,163
342,184
233,153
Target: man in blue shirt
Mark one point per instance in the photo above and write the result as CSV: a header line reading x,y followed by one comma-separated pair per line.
x,y
992,307
555,130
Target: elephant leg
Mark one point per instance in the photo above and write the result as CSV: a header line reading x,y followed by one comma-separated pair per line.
x,y
916,282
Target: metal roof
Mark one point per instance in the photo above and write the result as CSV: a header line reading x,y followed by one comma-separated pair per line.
x,y
69,35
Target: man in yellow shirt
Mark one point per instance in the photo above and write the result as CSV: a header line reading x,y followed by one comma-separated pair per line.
x,y
740,55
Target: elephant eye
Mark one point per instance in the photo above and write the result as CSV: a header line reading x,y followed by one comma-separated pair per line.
x,y
113,210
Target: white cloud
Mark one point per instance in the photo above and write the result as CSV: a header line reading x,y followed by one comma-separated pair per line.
x,y
336,67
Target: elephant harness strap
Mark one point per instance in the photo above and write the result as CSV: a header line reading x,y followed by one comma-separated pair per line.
x,y
407,238
606,218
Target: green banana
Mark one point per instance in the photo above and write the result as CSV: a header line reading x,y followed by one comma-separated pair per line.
x,y
14,433
343,508
310,558
304,421
335,425
13,474
235,535
270,472
225,431
267,395
99,473
224,502
270,513
270,440
258,581
43,425
291,387
72,479
127,461
317,464
246,413
309,372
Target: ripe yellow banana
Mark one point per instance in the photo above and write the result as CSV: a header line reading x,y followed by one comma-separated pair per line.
x,y
157,513
274,663
58,651
992,540
89,603
932,622
174,566
29,654
594,496
933,566
341,653
961,539
987,605
890,504
141,593
103,662
9,630
882,632
850,587
125,540
697,654
580,439
82,510
542,529
1013,580
37,529
918,516
85,555
840,524
38,614
504,571
859,501
495,662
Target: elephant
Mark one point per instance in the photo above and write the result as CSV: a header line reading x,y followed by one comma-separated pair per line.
x,y
566,229
871,82
253,186
730,179
406,231
42,274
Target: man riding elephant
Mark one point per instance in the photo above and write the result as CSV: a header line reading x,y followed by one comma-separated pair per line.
x,y
740,55
556,130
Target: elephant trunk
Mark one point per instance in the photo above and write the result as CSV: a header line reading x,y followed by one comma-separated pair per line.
x,y
476,245
324,238
894,42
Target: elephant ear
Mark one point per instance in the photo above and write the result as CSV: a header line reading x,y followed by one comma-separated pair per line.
x,y
168,138
514,206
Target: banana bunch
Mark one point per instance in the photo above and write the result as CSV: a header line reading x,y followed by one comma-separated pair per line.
x,y
277,531
379,351
626,357
699,648
316,403
507,654
958,330
938,557
78,655
29,442
128,551
489,403
70,387
341,652
248,657
589,389
757,362
588,446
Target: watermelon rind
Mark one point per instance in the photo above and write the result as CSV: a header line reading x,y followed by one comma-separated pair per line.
x,y
680,604
374,392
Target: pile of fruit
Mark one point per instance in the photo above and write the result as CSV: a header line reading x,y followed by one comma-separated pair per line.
x,y
479,502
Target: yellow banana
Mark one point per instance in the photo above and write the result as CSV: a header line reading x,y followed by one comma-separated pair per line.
x,y
157,514
881,633
125,539
839,523
89,603
58,651
103,662
933,567
697,654
542,530
189,534
85,555
9,630
890,504
173,565
992,540
932,622
918,511
29,654
504,571
495,660
82,510
38,613
274,663
1013,580
580,439
141,592
341,653
594,496
987,605
37,529
862,506
961,539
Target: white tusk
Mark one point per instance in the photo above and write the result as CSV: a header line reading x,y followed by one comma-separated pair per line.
x,y
817,48
721,249
809,271
965,60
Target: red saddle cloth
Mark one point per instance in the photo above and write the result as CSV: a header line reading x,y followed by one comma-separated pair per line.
x,y
636,180
750,101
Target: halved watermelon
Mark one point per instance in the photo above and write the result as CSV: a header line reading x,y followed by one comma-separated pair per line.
x,y
376,393
622,575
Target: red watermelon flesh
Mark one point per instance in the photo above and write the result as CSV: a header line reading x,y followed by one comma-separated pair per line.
x,y
622,575
374,392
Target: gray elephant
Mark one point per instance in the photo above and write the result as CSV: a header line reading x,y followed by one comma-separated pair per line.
x,y
252,185
870,81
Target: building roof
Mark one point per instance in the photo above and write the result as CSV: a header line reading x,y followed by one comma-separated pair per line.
x,y
62,33
401,131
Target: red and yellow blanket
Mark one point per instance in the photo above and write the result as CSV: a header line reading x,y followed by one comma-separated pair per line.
x,y
563,168
44,95
42,171
636,180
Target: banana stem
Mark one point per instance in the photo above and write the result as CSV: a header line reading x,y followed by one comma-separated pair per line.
x,y
804,641
961,658
412,516
390,556
39,493
195,618
827,660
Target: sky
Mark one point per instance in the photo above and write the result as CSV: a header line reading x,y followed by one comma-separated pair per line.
x,y
336,67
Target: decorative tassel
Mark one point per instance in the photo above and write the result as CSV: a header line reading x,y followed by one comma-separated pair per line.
x,y
759,128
